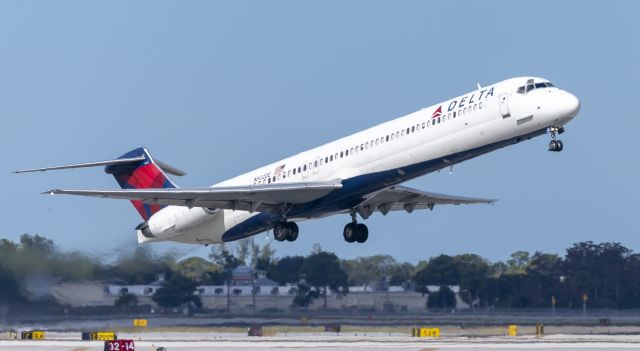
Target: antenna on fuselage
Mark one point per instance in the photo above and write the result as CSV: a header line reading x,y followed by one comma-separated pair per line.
x,y
479,87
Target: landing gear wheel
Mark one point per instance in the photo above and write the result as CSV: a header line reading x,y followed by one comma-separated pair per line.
x,y
363,233
350,232
281,231
556,145
293,231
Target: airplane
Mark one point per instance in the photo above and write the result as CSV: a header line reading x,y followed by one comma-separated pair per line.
x,y
359,174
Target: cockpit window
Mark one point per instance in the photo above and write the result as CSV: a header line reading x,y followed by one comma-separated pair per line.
x,y
527,88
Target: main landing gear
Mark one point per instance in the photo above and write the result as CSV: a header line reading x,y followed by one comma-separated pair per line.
x,y
355,231
555,145
285,231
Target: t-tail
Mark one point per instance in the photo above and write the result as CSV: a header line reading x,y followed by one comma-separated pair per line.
x,y
142,173
135,169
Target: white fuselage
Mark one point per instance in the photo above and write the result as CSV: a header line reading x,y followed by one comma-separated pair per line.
x,y
479,118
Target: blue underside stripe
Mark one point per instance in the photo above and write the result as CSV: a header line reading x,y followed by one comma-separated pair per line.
x,y
353,189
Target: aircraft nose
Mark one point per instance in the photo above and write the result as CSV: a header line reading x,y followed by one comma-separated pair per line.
x,y
570,105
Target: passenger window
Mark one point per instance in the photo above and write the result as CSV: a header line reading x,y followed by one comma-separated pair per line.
x,y
428,123
352,150
326,160
366,145
304,168
336,157
459,112
315,164
454,114
407,130
480,105
341,154
279,176
269,180
387,138
274,179
464,111
475,107
402,133
357,148
393,136
438,120
397,135
298,169
331,158
289,173
413,129
423,125
321,161
377,141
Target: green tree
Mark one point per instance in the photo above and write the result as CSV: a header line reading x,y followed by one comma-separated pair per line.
x,y
364,270
141,266
222,256
10,290
441,270
286,270
126,300
443,298
518,263
322,270
196,268
176,292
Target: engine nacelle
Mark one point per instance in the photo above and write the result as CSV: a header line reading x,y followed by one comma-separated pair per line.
x,y
172,221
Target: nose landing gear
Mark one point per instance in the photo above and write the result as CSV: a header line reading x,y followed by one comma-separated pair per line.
x,y
555,145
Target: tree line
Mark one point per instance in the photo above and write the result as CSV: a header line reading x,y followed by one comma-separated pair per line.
x,y
607,275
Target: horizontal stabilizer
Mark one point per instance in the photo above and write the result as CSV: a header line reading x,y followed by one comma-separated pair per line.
x,y
83,165
121,161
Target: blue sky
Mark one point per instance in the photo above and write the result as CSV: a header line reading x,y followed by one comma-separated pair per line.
x,y
220,88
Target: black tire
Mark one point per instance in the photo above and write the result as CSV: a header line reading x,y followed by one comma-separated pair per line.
x,y
292,234
560,145
363,233
280,231
293,227
553,146
350,232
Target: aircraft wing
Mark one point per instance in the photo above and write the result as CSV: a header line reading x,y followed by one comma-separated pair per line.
x,y
251,198
401,198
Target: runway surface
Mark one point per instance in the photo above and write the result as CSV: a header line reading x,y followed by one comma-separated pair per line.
x,y
352,342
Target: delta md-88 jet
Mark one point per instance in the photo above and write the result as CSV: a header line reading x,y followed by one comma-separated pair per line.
x,y
357,175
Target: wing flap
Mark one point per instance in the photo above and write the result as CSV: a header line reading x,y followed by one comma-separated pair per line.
x,y
401,198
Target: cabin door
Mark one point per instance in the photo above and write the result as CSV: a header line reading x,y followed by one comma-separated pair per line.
x,y
504,105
